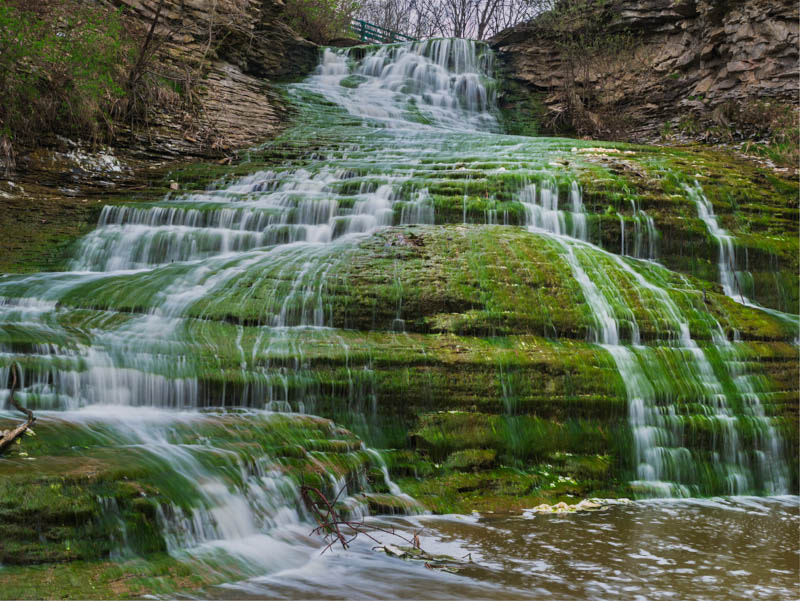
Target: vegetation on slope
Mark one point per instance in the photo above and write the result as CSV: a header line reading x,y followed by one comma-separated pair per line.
x,y
321,20
75,69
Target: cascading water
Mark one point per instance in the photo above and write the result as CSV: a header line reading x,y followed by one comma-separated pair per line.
x,y
294,226
219,298
428,85
175,261
735,283
645,236
728,276
664,465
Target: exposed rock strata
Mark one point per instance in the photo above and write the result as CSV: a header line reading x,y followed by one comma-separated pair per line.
x,y
692,58
232,48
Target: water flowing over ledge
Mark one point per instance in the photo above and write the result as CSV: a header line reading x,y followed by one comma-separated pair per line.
x,y
302,288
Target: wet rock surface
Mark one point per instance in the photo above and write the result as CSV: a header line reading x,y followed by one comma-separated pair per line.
x,y
424,289
82,490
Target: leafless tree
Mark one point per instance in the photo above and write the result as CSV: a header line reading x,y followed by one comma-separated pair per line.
x,y
395,15
478,19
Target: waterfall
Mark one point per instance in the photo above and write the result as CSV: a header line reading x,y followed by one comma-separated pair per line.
x,y
733,281
132,340
232,298
726,262
644,238
436,84
664,465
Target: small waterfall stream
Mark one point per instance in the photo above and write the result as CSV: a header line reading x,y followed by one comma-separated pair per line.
x,y
664,466
216,298
728,276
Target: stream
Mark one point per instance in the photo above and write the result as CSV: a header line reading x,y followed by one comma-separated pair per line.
x,y
723,549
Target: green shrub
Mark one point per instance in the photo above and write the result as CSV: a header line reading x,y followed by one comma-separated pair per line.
x,y
321,20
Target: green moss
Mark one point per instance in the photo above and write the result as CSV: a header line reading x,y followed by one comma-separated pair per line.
x,y
352,81
501,490
80,491
471,459
159,574
462,346
521,112
37,228
517,440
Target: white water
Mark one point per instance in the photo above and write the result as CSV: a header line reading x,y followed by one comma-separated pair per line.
x,y
429,85
296,224
726,261
645,235
664,465
731,279
131,325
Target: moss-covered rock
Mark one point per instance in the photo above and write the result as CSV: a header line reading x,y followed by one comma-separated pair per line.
x,y
92,489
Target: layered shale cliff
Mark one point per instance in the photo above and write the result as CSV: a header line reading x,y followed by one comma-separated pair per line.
x,y
696,62
231,50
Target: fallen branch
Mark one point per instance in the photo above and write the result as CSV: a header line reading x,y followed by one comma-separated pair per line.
x,y
7,437
332,527
331,523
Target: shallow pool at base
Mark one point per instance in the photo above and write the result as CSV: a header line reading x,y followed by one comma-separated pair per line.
x,y
721,548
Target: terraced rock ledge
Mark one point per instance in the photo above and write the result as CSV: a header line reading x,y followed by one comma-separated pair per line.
x,y
401,301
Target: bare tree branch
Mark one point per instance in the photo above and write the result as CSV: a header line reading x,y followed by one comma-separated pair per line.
x,y
330,523
9,436
478,19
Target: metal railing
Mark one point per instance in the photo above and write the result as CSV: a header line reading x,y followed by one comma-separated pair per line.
x,y
372,33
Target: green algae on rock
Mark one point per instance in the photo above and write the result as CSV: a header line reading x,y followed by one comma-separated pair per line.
x,y
510,320
86,488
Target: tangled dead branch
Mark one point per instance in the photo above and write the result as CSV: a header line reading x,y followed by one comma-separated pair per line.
x,y
336,529
7,437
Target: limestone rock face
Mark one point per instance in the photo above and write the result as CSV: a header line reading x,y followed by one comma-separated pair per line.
x,y
233,49
690,57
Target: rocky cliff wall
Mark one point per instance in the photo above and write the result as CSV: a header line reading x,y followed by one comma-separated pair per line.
x,y
230,50
224,53
689,59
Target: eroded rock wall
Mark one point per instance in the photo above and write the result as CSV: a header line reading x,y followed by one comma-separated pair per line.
x,y
232,50
690,58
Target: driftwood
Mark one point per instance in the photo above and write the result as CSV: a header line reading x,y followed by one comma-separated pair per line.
x,y
7,437
336,529
331,524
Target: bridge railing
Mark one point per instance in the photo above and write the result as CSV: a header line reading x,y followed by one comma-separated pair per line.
x,y
372,33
